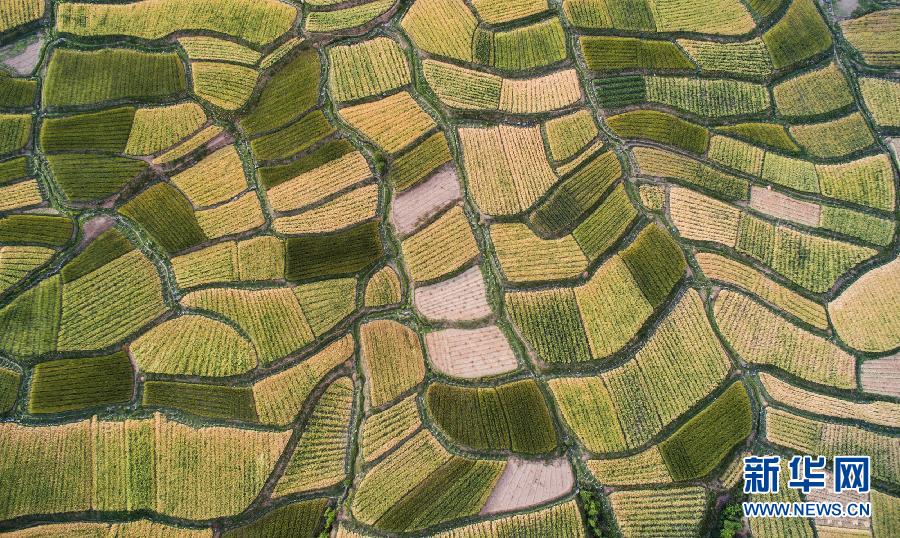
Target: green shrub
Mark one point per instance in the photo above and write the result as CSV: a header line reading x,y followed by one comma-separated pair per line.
x,y
272,176
292,139
550,322
576,194
28,325
16,92
13,169
660,127
621,91
293,89
299,519
606,224
764,134
416,164
9,389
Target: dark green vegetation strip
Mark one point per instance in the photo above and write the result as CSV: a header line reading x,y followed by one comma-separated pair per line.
x,y
763,134
28,325
300,520
660,127
764,8
656,263
338,253
16,92
211,401
107,130
608,53
699,446
49,230
550,322
13,169
89,177
167,215
73,384
799,35
105,248
272,176
293,139
291,91
77,77
9,389
602,228
451,491
512,417
621,91
416,164
576,194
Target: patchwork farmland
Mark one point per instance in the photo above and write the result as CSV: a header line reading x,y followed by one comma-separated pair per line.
x,y
458,268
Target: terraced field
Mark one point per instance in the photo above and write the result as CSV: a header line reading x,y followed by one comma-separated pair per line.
x,y
459,268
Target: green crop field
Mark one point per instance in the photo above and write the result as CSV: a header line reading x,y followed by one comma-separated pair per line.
x,y
455,268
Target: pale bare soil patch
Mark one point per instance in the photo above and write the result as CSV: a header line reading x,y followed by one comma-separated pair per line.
x,y
782,206
95,227
882,376
419,204
845,497
23,60
461,298
529,483
470,353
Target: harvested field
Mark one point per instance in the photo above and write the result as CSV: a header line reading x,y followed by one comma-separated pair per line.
x,y
880,413
460,298
393,359
781,206
391,123
440,248
732,272
867,314
383,430
762,337
507,167
525,257
421,203
342,212
839,527
881,376
470,353
524,484
646,467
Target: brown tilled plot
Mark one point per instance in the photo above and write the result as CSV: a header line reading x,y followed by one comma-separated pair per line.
x,y
782,206
528,483
419,204
470,353
882,376
461,298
